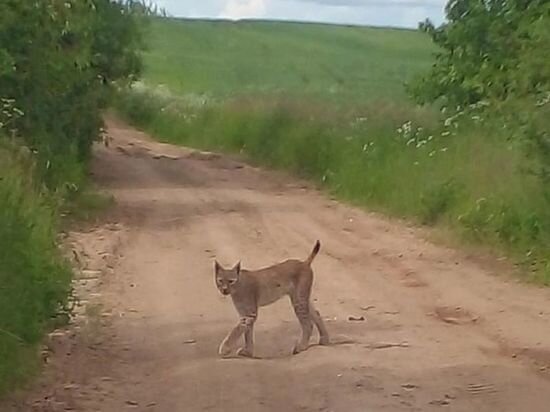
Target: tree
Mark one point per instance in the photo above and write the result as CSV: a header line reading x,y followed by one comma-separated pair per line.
x,y
58,62
488,50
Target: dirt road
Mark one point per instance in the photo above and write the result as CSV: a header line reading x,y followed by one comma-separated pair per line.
x,y
433,329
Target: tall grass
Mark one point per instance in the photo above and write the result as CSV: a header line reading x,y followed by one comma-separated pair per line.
x,y
392,157
34,279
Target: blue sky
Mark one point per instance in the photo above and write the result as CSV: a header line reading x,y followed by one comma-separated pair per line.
x,y
399,13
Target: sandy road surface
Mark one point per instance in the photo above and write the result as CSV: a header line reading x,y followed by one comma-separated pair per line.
x,y
440,331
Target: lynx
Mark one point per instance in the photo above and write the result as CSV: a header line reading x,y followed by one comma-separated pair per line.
x,y
250,290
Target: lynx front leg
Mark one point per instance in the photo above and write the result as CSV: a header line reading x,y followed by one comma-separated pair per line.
x,y
229,342
248,349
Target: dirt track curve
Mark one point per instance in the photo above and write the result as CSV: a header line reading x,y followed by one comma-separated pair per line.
x,y
440,331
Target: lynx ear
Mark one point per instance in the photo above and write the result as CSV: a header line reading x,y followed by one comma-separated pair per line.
x,y
217,267
237,268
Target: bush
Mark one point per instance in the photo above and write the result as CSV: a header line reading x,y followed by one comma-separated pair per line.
x,y
490,63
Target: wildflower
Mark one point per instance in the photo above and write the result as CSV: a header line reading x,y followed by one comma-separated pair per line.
x,y
545,100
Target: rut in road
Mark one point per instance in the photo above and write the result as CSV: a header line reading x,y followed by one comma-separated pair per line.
x,y
416,326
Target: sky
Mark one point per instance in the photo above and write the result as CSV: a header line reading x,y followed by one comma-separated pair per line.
x,y
396,13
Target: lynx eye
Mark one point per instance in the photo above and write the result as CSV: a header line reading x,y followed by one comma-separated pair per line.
x,y
232,281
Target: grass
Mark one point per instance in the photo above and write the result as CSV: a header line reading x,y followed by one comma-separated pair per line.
x,y
34,279
363,141
85,206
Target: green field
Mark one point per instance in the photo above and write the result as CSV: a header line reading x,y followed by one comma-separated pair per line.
x,y
329,103
222,59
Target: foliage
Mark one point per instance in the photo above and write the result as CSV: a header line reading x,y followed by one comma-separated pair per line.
x,y
488,50
492,52
59,60
491,65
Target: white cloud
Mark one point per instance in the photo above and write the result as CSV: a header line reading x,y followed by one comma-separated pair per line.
x,y
241,9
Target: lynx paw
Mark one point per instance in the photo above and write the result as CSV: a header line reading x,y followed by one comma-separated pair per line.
x,y
245,353
224,351
324,341
299,347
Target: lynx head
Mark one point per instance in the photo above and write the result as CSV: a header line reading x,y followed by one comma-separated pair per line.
x,y
226,279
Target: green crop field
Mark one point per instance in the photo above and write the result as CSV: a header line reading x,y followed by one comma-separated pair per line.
x,y
223,59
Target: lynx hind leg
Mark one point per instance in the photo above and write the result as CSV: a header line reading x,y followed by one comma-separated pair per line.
x,y
324,338
300,303
244,325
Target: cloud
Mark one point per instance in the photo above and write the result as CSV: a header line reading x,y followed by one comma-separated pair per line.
x,y
240,9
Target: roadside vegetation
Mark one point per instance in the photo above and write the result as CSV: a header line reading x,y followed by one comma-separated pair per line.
x,y
451,132
59,60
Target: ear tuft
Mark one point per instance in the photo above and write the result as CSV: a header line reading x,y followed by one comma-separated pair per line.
x,y
237,267
217,266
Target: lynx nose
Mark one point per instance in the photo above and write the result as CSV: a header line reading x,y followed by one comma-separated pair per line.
x,y
225,291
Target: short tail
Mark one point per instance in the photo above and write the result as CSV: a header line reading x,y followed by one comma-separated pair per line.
x,y
313,253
